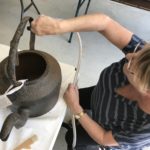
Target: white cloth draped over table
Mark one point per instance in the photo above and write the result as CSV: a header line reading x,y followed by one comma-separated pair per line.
x,y
47,126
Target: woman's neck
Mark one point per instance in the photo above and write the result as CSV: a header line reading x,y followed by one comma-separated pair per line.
x,y
144,103
129,92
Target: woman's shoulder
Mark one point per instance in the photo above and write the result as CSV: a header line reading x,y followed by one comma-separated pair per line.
x,y
114,73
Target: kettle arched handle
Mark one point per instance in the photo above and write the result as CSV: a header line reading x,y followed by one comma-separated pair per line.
x,y
14,119
13,57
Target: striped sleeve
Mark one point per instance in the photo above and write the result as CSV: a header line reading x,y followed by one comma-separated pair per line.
x,y
137,140
133,43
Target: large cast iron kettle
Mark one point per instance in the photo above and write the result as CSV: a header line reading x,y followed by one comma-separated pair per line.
x,y
41,90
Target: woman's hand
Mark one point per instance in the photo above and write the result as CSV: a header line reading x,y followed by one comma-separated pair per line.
x,y
71,97
45,25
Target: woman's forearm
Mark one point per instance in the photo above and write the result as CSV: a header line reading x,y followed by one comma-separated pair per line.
x,y
97,133
113,31
45,25
92,22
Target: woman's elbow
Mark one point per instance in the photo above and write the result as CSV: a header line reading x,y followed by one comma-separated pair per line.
x,y
101,21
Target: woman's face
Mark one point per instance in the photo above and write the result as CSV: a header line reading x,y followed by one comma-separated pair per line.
x,y
129,69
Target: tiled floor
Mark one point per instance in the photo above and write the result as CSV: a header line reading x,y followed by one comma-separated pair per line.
x,y
98,52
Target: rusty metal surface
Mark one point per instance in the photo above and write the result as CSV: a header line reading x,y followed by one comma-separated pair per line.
x,y
142,4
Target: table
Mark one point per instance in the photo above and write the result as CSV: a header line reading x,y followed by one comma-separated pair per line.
x,y
47,126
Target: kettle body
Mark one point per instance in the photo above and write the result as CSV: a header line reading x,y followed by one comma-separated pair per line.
x,y
41,90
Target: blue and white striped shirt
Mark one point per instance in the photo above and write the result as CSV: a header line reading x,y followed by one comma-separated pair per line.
x,y
130,125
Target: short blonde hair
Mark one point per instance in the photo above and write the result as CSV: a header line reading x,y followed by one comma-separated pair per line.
x,y
142,68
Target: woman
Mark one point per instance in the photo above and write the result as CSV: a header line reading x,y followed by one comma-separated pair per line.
x,y
120,101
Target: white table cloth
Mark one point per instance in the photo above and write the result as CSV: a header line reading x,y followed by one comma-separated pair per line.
x,y
47,126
